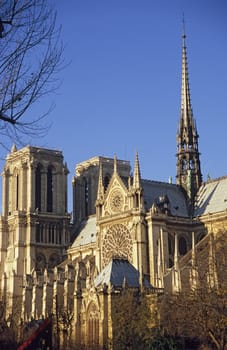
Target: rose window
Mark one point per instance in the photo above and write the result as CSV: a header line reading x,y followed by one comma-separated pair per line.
x,y
117,243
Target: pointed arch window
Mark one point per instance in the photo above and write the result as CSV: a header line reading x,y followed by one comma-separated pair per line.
x,y
93,326
182,246
58,234
38,186
50,189
191,164
86,196
17,192
39,233
170,244
53,260
40,262
184,164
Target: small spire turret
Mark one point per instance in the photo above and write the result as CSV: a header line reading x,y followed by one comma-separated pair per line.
x,y
100,192
115,164
14,148
137,175
137,189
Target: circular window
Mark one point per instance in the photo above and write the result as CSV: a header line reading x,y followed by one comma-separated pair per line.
x,y
117,243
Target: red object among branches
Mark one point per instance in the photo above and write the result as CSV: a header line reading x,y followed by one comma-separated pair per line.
x,y
36,335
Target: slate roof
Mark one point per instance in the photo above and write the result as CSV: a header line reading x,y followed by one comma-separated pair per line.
x,y
177,199
212,197
87,233
118,272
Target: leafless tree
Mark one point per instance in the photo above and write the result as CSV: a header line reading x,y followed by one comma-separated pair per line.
x,y
134,318
9,322
66,324
30,58
201,312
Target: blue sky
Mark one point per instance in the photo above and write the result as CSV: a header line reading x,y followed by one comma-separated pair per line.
x,y
120,91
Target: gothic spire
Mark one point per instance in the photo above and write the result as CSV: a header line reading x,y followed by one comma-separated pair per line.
x,y
137,189
188,163
186,109
136,175
115,164
100,191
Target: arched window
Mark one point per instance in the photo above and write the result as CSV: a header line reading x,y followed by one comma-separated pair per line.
x,y
191,164
49,234
82,274
184,164
38,187
53,260
40,262
58,234
15,189
170,244
93,326
86,196
39,233
50,189
182,246
17,192
53,234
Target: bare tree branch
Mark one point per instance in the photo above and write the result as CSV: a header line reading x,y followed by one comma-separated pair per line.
x,y
30,58
202,312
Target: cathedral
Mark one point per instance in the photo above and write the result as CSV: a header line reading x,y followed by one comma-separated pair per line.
x,y
124,230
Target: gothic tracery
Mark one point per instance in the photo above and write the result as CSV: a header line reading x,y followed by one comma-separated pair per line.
x,y
117,243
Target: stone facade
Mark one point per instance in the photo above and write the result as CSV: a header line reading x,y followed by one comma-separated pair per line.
x,y
34,223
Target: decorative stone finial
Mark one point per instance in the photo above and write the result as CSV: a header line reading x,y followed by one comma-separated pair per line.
x,y
14,148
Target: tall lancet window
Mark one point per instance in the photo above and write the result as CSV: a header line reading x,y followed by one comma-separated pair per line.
x,y
17,191
182,246
38,186
86,196
50,189
93,326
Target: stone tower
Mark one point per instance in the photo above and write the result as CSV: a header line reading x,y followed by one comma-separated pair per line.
x,y
188,163
85,184
34,226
